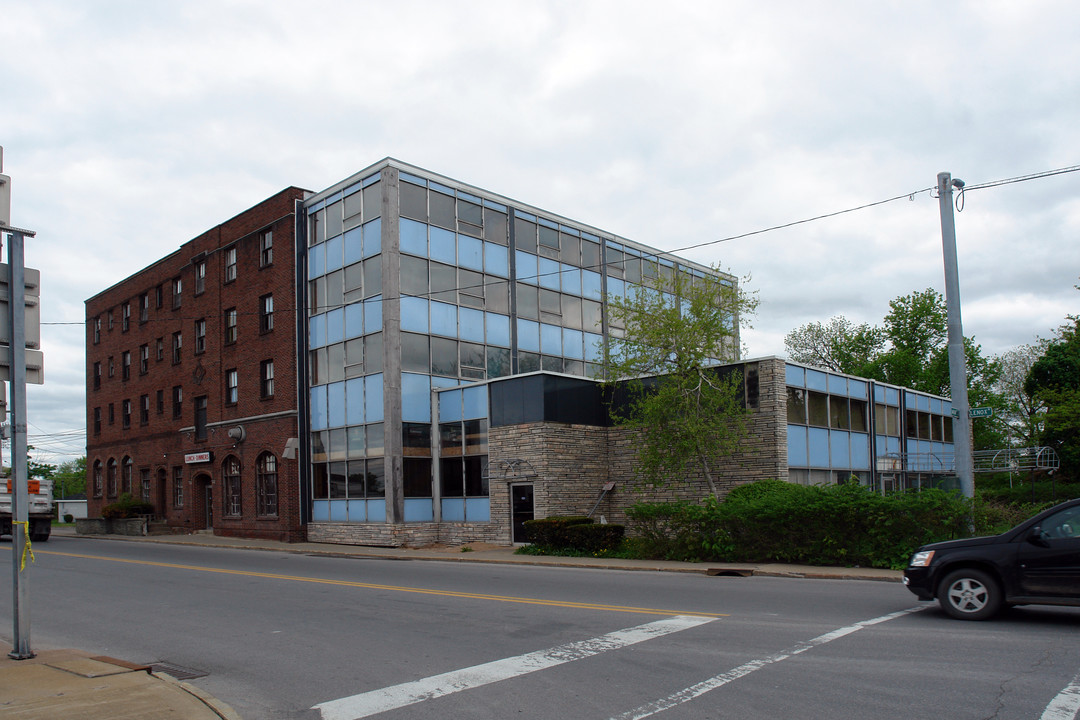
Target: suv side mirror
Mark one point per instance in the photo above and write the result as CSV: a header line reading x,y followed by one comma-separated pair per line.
x,y
1035,536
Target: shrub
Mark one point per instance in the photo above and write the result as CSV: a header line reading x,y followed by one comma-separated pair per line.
x,y
126,507
69,518
595,538
551,531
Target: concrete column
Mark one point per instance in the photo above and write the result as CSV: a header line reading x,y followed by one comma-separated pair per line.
x,y
391,323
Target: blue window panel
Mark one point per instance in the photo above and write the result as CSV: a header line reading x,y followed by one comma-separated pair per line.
x,y
335,404
913,451
415,398
354,245
354,401
498,329
857,389
528,335
320,510
937,406
911,401
450,406
837,385
339,510
616,287
892,445
354,320
550,339
443,246
317,331
453,510
526,267
470,252
372,237
471,325
794,376
817,447
441,188
413,237
940,462
335,326
443,318
373,315
816,380
592,285
316,261
318,407
879,394
840,448
357,510
573,344
594,347
419,510
924,403
376,511
880,447
413,179
373,398
860,451
892,396
549,274
334,253
571,280
443,382
796,446
478,509
414,314
474,402
496,260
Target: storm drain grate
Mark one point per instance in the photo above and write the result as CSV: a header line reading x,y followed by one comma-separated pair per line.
x,y
177,671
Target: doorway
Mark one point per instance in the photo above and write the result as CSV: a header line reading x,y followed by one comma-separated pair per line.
x,y
521,509
202,502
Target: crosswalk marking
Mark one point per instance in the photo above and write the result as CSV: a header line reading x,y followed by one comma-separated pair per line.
x,y
397,696
1066,706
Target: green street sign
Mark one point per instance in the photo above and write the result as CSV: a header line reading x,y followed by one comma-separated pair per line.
x,y
980,412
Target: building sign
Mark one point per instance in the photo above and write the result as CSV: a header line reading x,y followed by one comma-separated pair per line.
x,y
200,457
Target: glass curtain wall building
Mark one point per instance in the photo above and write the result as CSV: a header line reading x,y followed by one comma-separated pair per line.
x,y
416,283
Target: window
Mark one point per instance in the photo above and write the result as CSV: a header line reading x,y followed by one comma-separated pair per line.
x,y
177,402
266,248
160,343
178,487
177,346
97,421
144,307
110,317
97,376
200,418
230,264
266,313
231,473
125,366
144,359
125,416
112,414
266,485
230,326
112,367
200,336
144,484
177,292
98,480
160,402
125,479
266,379
232,391
200,277
159,297
111,487
144,409
97,330
125,317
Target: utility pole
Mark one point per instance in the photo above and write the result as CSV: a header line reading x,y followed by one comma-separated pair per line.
x,y
965,468
20,514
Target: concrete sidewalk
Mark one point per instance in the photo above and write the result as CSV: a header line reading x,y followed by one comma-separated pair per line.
x,y
77,684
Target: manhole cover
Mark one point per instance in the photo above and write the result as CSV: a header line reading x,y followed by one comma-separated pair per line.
x,y
177,671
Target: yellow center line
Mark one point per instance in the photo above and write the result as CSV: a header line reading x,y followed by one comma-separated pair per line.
x,y
397,588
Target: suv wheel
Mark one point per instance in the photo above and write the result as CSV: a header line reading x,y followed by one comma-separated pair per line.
x,y
969,594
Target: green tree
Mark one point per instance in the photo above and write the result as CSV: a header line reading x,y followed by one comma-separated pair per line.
x,y
839,345
677,329
1022,411
1054,379
36,469
70,478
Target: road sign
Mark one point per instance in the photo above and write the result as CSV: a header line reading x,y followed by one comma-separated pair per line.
x,y
955,413
980,412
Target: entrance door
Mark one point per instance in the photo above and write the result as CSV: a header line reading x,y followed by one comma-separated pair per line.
x,y
521,509
209,506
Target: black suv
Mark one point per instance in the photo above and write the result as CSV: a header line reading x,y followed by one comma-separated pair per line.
x,y
1037,562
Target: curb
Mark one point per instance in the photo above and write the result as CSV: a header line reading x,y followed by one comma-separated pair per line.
x,y
219,708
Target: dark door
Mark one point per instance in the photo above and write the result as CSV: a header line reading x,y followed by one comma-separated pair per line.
x,y
209,506
521,500
1050,560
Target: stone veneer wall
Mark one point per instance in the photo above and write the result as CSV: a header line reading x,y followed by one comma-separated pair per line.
x,y
406,534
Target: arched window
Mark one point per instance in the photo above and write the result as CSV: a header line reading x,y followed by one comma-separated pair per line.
x,y
99,481
110,488
266,484
125,479
230,470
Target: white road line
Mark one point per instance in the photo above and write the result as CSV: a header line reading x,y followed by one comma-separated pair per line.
x,y
396,696
1066,706
712,683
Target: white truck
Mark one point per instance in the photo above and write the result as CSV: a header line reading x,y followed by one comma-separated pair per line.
x,y
40,498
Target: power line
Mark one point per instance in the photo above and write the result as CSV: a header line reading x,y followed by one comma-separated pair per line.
x,y
1023,178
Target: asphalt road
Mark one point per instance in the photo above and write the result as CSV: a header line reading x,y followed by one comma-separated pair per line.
x,y
292,636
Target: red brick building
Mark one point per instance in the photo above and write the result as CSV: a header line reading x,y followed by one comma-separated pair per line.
x,y
191,381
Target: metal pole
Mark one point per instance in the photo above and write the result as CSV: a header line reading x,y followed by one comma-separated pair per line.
x,y
20,497
965,470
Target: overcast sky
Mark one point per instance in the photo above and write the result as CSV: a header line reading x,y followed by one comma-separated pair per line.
x,y
130,127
